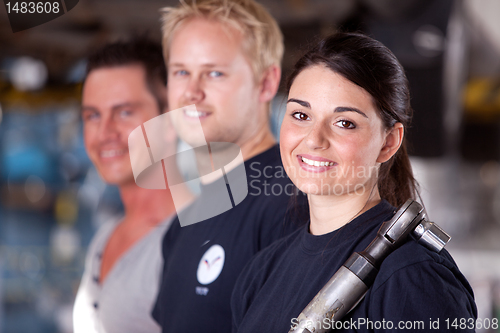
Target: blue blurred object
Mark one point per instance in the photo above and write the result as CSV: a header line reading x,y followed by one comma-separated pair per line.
x,y
38,283
28,147
20,162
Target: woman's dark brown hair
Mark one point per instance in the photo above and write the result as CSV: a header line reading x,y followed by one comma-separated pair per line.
x,y
372,66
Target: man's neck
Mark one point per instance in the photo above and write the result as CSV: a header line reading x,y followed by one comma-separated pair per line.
x,y
145,207
261,140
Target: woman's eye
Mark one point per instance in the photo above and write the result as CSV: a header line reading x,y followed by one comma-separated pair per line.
x,y
215,74
345,124
300,116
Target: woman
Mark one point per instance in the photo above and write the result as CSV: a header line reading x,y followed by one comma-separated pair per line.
x,y
342,143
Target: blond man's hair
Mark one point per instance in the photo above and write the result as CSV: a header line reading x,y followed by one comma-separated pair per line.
x,y
262,38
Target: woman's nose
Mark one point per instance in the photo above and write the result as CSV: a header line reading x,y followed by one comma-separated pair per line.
x,y
317,139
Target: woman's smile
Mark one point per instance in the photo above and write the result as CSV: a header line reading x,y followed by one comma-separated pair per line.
x,y
312,163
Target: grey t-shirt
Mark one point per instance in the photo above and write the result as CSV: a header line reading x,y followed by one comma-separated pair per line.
x,y
123,303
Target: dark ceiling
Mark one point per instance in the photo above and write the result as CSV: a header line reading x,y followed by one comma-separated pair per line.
x,y
61,42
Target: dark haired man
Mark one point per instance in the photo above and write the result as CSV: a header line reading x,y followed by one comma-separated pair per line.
x,y
124,87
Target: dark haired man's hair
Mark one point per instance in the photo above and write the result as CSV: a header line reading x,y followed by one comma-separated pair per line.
x,y
372,66
137,51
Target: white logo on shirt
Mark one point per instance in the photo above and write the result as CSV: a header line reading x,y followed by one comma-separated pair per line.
x,y
211,265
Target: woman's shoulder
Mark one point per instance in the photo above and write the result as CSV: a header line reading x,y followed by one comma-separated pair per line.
x,y
415,282
412,256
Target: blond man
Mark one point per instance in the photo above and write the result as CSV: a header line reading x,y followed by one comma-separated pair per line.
x,y
224,57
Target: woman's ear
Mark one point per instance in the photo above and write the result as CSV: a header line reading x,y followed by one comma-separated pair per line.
x,y
393,140
269,83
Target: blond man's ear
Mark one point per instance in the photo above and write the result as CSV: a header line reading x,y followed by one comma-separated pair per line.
x,y
269,83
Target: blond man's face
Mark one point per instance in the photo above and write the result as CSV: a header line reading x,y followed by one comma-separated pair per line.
x,y
207,67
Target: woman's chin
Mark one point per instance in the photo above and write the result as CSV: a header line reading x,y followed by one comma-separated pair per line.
x,y
316,189
335,189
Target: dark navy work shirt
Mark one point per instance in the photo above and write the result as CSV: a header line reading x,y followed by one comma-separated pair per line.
x,y
415,287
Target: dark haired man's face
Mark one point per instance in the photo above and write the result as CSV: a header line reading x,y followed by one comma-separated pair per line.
x,y
115,101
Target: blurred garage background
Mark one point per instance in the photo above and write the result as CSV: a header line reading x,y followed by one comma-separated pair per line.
x,y
52,200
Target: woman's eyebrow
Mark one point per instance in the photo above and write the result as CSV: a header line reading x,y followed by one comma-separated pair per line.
x,y
298,101
349,109
337,109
